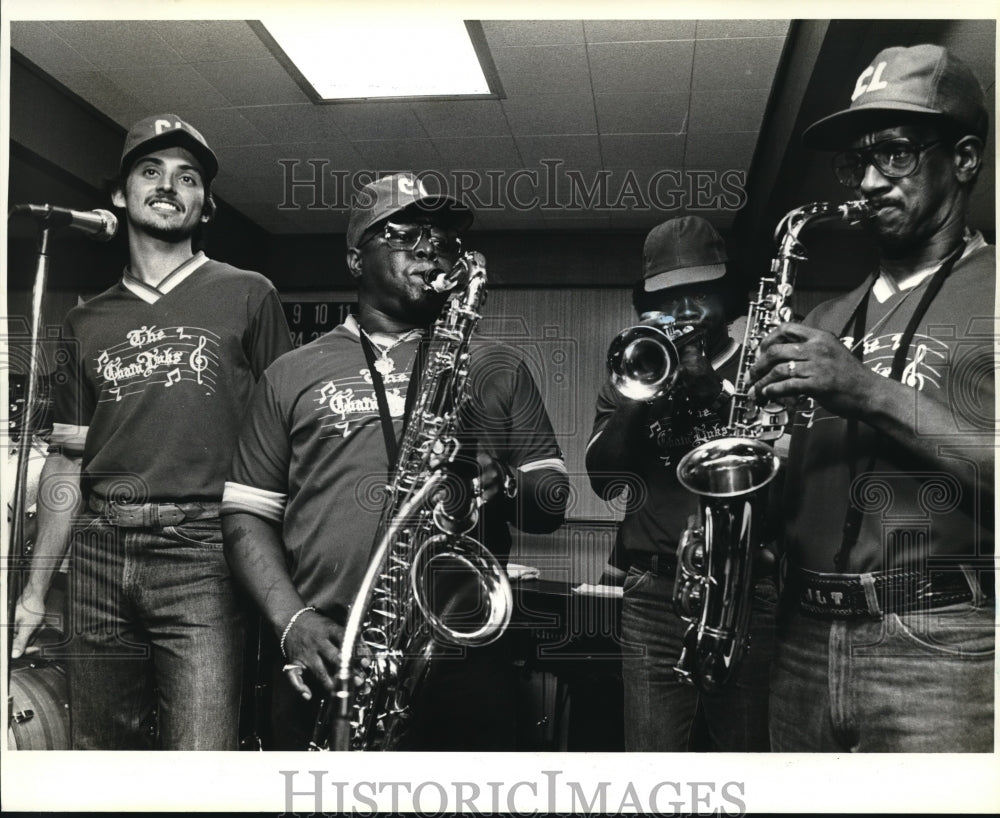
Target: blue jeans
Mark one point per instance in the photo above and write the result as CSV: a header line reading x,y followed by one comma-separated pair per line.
x,y
660,711
919,682
155,643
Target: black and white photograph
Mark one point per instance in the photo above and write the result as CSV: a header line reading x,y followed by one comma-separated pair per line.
x,y
545,407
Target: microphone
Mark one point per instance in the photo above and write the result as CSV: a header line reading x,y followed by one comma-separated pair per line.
x,y
98,224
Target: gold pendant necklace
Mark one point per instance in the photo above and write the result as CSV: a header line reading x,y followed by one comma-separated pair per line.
x,y
384,364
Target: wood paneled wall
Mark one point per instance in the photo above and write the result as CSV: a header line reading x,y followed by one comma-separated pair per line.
x,y
564,336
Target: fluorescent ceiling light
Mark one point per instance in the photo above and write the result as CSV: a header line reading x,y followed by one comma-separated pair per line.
x,y
352,58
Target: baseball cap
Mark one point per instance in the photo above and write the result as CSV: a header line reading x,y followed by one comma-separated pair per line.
x,y
382,198
924,79
682,251
167,131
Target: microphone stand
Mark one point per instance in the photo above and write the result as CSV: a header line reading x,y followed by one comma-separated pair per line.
x,y
17,563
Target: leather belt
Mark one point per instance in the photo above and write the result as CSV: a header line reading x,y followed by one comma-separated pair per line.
x,y
859,596
151,515
657,563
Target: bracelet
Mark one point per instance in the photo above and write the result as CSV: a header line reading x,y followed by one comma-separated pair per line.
x,y
288,627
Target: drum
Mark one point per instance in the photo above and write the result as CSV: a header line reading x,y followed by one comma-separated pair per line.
x,y
39,706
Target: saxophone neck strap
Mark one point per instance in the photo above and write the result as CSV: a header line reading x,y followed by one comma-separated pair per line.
x,y
852,519
378,386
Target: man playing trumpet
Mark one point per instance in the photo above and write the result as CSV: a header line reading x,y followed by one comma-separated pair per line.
x,y
635,446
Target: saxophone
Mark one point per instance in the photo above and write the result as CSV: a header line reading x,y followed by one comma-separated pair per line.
x,y
429,587
714,587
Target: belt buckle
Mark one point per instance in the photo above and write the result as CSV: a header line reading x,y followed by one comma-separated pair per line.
x,y
169,514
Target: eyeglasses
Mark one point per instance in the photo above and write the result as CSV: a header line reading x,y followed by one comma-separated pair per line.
x,y
894,159
408,236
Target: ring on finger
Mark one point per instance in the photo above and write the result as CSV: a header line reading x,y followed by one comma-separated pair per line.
x,y
791,368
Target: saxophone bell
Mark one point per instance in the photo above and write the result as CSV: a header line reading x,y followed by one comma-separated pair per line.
x,y
643,360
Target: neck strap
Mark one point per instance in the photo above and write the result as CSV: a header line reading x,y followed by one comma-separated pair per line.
x,y
852,519
378,386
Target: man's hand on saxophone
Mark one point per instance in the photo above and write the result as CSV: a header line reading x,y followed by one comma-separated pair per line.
x,y
312,643
796,361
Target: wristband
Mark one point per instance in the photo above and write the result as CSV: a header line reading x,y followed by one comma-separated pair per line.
x,y
288,627
508,482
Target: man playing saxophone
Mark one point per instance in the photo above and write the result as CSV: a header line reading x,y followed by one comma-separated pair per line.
x,y
306,491
886,631
635,447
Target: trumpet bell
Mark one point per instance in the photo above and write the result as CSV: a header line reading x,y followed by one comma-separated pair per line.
x,y
643,363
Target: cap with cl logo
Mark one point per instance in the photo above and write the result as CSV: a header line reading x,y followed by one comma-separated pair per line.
x,y
161,131
923,79
391,194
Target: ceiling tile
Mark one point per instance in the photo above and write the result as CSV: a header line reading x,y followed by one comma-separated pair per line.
x,y
736,64
253,82
188,89
223,126
107,96
658,66
713,111
471,117
376,120
211,40
540,114
638,31
40,44
114,44
294,123
640,113
398,154
721,150
572,151
643,150
542,70
505,33
709,29
479,152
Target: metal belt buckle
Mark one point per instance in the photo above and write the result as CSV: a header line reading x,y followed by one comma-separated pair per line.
x,y
169,514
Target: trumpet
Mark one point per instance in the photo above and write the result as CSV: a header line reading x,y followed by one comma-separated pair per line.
x,y
643,360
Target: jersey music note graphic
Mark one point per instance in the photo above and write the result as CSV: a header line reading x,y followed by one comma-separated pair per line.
x,y
173,376
911,377
198,361
183,336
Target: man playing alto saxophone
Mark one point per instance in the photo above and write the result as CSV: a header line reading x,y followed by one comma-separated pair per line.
x,y
635,446
886,636
304,499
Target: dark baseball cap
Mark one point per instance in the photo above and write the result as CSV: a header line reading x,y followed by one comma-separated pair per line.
x,y
687,250
922,79
161,131
391,194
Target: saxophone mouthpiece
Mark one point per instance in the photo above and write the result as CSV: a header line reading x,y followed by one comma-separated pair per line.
x,y
439,281
857,210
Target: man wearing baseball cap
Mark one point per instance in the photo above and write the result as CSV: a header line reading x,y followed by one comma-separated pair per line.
x,y
887,635
638,440
156,376
303,503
